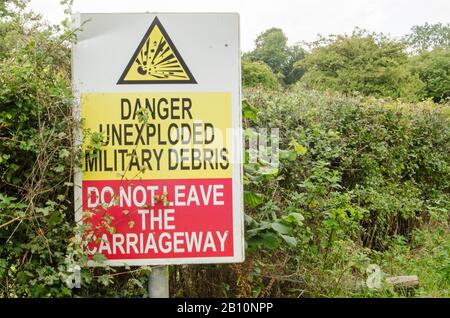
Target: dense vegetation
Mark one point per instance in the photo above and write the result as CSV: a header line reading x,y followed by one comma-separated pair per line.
x,y
364,176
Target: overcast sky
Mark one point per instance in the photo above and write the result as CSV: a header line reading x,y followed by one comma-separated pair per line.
x,y
301,20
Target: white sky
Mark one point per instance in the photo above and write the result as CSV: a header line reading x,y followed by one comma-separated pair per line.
x,y
301,20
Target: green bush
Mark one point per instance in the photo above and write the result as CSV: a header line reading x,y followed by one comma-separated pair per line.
x,y
37,227
35,159
357,176
433,68
364,63
258,74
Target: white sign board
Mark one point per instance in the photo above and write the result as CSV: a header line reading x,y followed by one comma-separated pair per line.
x,y
159,100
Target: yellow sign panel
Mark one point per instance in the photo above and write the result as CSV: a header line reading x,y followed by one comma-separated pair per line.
x,y
130,136
156,60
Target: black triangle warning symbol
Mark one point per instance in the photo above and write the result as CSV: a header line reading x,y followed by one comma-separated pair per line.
x,y
156,61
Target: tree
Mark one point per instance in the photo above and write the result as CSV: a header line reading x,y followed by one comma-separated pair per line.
x,y
258,74
428,37
367,63
433,68
292,74
272,49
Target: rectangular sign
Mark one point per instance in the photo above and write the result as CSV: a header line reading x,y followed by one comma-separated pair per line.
x,y
158,99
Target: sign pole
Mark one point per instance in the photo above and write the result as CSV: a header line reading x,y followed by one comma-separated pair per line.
x,y
158,282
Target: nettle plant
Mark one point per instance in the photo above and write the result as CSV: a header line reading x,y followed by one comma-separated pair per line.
x,y
267,230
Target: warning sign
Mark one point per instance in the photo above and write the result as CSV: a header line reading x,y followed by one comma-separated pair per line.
x,y
159,180
156,60
183,136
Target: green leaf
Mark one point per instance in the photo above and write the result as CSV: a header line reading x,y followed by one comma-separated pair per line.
x,y
262,227
294,217
300,149
270,240
292,241
64,153
105,279
253,199
136,282
58,168
249,111
55,218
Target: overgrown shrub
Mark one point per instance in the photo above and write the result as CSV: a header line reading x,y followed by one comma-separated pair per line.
x,y
433,69
365,63
258,73
37,227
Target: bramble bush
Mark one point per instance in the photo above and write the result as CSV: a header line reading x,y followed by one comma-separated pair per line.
x,y
360,178
258,74
363,62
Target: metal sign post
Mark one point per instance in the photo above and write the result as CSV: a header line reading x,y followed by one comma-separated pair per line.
x,y
158,282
